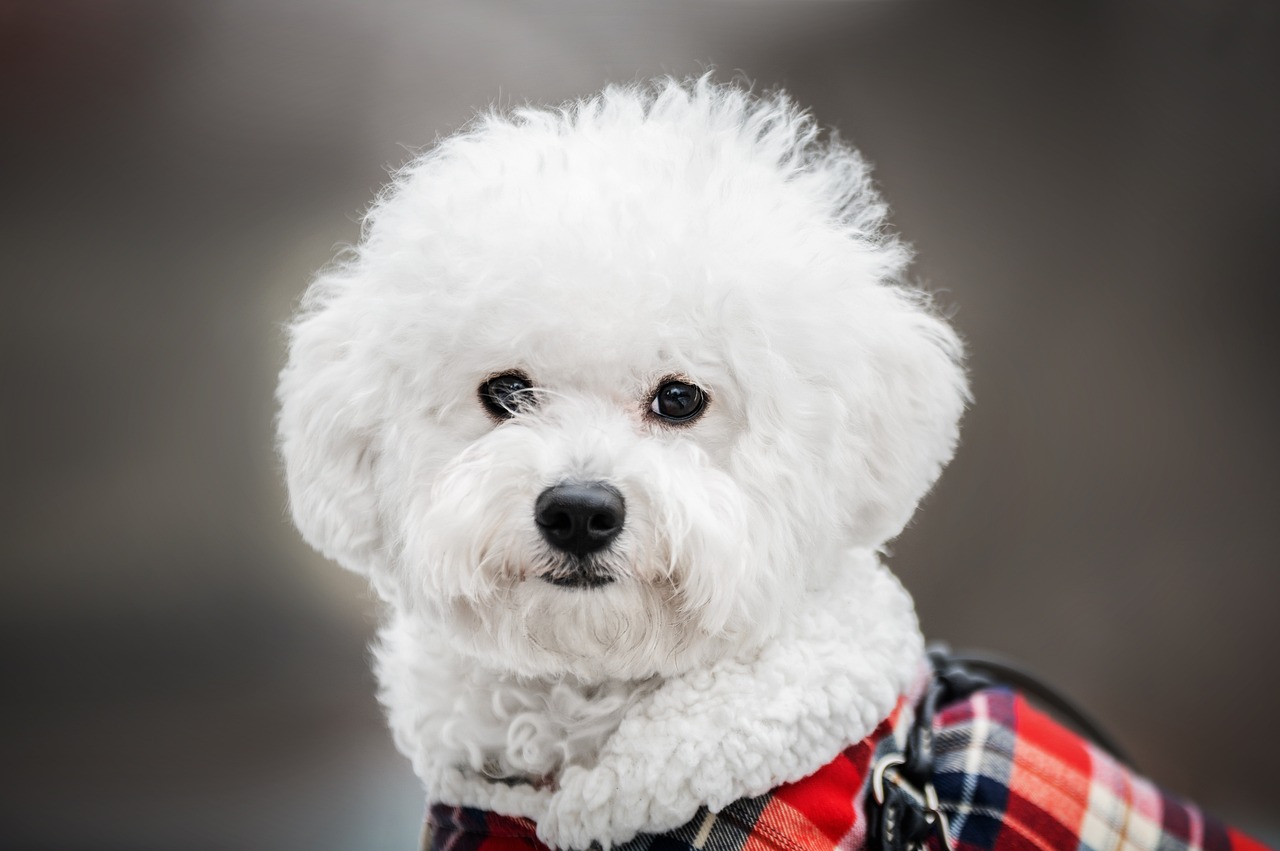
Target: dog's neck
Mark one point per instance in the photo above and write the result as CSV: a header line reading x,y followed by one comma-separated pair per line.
x,y
519,730
488,739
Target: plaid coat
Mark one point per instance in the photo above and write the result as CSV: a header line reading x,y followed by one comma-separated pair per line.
x,y
1008,778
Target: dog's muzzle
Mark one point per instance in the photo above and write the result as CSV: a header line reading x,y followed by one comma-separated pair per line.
x,y
578,519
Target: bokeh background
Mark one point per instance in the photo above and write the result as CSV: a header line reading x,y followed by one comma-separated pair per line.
x,y
1093,186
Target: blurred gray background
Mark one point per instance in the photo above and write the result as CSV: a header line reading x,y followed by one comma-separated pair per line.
x,y
1095,187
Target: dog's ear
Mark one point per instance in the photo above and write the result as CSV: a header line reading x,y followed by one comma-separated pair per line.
x,y
904,412
329,411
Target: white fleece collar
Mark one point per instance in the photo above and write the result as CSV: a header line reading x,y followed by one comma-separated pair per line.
x,y
734,730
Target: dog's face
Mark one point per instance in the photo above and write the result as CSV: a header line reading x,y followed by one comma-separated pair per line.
x,y
607,393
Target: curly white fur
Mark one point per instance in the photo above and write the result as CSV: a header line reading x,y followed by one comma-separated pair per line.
x,y
678,229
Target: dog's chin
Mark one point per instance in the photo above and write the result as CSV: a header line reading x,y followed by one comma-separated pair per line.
x,y
593,626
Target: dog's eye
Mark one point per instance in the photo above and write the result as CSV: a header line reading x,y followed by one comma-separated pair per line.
x,y
678,402
505,395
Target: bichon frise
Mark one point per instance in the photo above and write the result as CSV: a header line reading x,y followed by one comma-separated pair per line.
x,y
615,405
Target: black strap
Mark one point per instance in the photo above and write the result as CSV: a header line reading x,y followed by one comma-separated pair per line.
x,y
1001,671
903,811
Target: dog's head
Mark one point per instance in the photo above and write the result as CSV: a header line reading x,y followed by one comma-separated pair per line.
x,y
606,389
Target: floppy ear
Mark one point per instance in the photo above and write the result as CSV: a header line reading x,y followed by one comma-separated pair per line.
x,y
329,411
905,411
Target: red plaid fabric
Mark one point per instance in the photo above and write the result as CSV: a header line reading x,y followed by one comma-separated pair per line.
x,y
1008,777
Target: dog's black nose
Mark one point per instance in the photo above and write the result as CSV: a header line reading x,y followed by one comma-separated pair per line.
x,y
580,517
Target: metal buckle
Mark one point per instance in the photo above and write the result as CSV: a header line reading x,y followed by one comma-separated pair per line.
x,y
886,770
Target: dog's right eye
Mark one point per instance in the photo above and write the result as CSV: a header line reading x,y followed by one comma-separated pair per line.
x,y
503,396
678,402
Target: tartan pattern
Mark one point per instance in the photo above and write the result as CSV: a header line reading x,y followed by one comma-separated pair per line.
x,y
1012,779
1008,777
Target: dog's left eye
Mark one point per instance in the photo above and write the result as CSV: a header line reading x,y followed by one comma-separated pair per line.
x,y
505,395
678,401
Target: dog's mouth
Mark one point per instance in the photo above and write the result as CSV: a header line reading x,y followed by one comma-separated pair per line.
x,y
578,580
578,573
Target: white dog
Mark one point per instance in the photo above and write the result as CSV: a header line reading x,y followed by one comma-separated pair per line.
x,y
615,405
